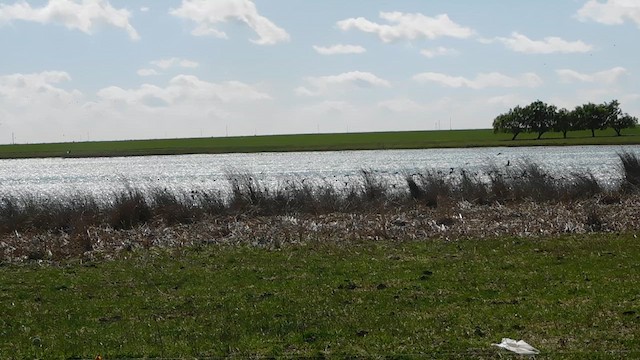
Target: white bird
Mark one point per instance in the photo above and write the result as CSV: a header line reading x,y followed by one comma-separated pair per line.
x,y
518,347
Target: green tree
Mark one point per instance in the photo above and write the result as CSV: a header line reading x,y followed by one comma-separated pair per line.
x,y
564,121
625,121
513,122
592,117
615,119
540,117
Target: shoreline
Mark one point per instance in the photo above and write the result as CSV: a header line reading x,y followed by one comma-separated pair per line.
x,y
519,200
308,142
450,221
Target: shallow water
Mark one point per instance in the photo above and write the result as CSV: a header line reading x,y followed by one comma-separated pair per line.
x,y
101,176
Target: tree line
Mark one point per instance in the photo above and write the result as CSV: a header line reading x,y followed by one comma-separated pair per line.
x,y
539,118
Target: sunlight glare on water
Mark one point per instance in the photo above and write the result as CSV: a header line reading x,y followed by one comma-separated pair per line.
x,y
102,176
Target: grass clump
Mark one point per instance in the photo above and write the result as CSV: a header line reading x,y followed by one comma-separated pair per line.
x,y
630,164
428,187
129,208
174,208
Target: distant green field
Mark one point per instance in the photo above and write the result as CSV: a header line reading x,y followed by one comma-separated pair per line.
x,y
313,142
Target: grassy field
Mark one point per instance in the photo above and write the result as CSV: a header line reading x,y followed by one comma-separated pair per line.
x,y
572,297
312,142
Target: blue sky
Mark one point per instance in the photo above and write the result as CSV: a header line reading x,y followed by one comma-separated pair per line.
x,y
74,70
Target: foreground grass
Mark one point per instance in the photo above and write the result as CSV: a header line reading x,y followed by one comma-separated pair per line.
x,y
314,142
572,297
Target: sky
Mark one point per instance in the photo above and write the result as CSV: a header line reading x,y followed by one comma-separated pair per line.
x,y
78,70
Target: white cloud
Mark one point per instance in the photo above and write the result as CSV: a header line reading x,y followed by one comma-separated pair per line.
x,y
184,89
37,89
339,49
185,106
84,16
549,45
362,79
629,101
611,12
144,9
606,76
323,84
147,72
38,105
165,64
207,14
482,80
439,51
407,26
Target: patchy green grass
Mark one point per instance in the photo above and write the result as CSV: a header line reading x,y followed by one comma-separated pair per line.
x,y
571,297
314,142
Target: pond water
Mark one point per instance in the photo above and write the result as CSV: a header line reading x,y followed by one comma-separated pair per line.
x,y
101,176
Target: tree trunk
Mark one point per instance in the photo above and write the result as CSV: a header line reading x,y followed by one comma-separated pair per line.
x,y
514,136
564,134
540,135
618,131
593,132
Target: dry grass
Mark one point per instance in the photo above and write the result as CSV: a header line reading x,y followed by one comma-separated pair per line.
x,y
450,220
515,200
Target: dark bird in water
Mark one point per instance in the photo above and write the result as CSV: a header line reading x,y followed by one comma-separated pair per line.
x,y
508,163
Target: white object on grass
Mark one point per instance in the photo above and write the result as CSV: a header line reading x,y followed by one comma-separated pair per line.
x,y
518,347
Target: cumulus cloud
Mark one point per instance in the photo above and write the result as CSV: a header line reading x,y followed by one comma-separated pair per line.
x,y
549,45
207,14
37,88
405,26
339,49
184,88
606,76
439,51
611,12
322,84
44,107
165,64
39,106
183,107
482,80
73,14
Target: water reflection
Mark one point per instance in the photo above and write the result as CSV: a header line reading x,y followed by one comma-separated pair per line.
x,y
101,176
